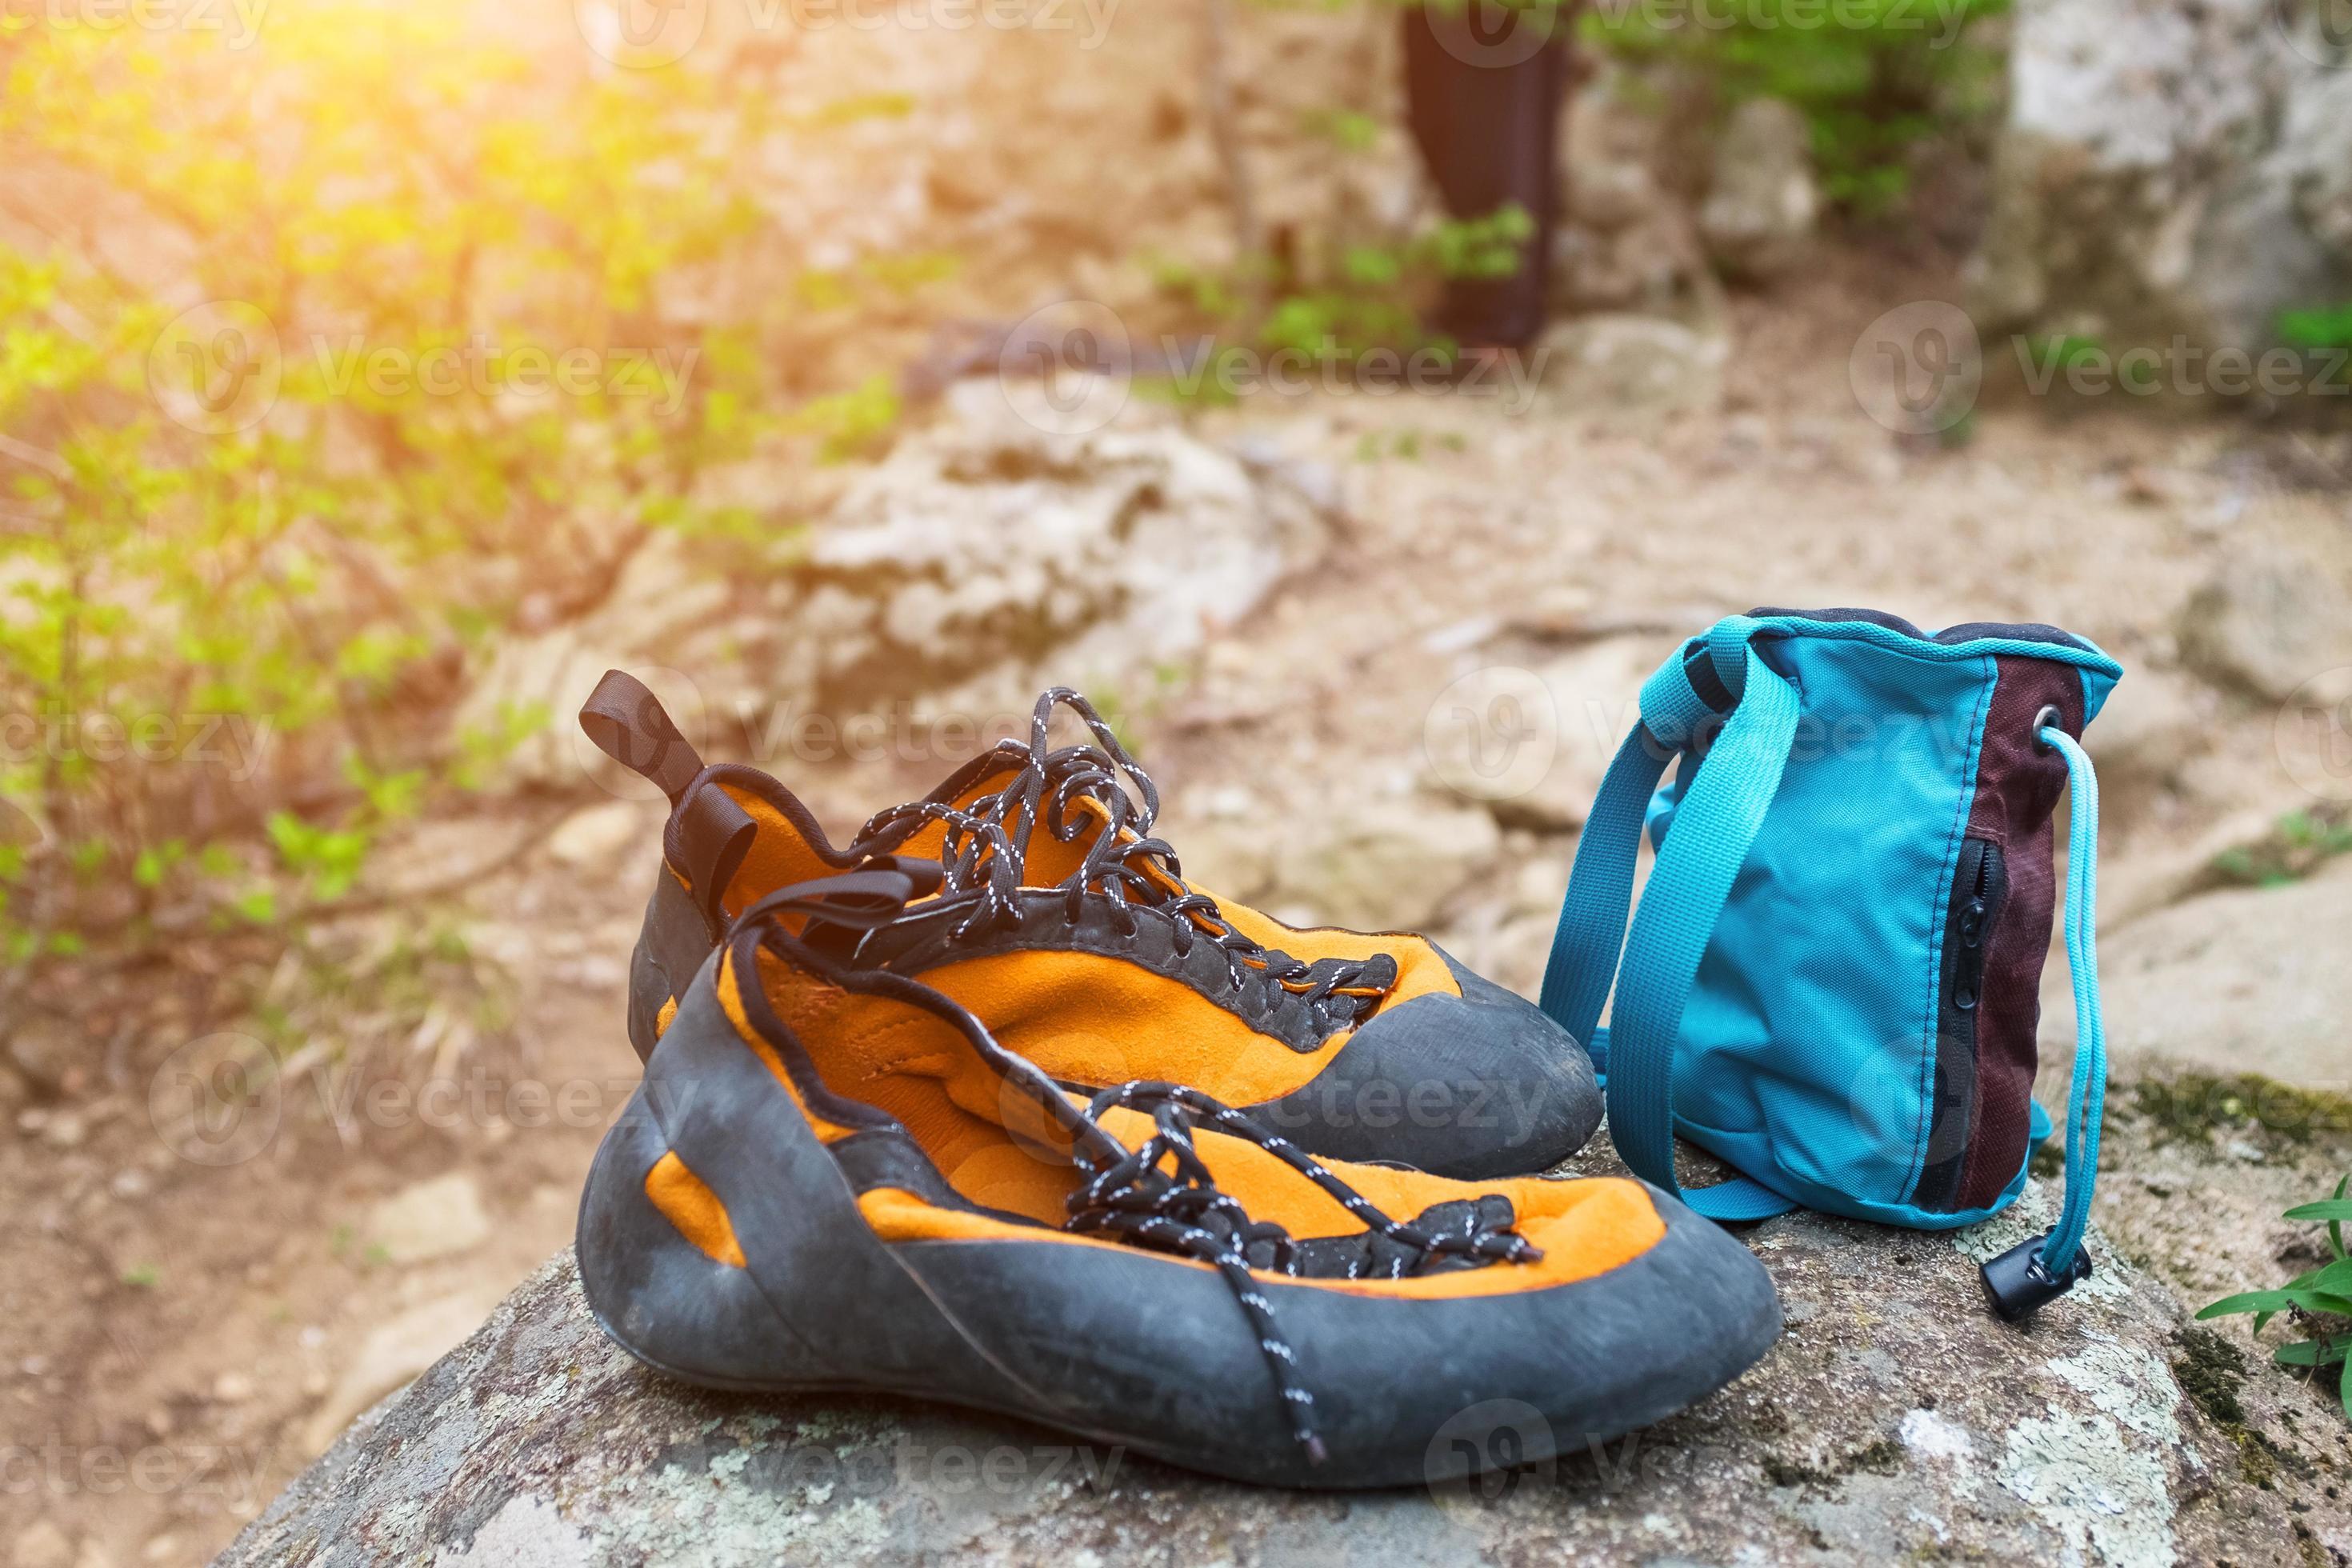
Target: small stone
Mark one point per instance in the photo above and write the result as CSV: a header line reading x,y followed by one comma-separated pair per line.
x,y
42,1544
597,838
1229,803
1618,364
1532,744
130,1183
1762,201
2264,625
1230,857
436,1218
1383,865
65,1130
1611,194
232,1388
2151,484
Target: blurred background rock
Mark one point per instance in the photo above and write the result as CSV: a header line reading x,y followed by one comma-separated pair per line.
x,y
372,376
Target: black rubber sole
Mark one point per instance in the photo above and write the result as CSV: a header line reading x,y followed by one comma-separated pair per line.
x,y
1119,1345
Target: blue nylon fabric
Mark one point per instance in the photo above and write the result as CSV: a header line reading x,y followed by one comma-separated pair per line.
x,y
1779,993
1720,815
1809,1045
2091,661
2097,684
1661,814
1584,947
1672,709
1592,929
1726,645
1739,1200
2087,1101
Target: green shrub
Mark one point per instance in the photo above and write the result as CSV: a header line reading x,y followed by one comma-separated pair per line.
x,y
1875,78
1371,297
247,549
2319,1302
2322,328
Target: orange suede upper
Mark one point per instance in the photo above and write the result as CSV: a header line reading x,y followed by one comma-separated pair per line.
x,y
994,1147
1584,1228
693,1208
1085,1019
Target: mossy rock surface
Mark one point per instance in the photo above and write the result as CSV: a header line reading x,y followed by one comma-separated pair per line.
x,y
1895,1421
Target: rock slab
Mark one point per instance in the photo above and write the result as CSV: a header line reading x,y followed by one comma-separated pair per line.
x,y
2169,166
1761,200
2243,980
1895,1421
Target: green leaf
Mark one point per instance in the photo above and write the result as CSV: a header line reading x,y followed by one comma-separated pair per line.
x,y
2328,1209
2314,1353
2278,1301
2335,1279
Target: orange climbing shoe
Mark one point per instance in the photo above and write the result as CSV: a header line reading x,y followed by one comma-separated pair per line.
x,y
837,1177
1045,905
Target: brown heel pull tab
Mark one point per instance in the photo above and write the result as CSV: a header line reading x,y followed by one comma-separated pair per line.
x,y
629,725
708,836
708,833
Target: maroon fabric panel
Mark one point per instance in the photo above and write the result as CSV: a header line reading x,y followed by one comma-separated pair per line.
x,y
2018,787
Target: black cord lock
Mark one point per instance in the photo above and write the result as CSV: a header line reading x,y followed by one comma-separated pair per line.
x,y
2018,1284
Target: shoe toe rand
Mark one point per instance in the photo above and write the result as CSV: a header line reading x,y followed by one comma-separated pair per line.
x,y
1145,1351
1475,1086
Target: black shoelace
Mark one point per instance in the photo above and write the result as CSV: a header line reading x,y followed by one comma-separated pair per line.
x,y
1129,1195
1183,1211
987,847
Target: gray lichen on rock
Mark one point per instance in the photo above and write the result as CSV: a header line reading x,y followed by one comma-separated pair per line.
x,y
2107,1500
1896,1420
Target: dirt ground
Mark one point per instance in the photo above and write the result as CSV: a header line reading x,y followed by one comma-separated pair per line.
x,y
177,1338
